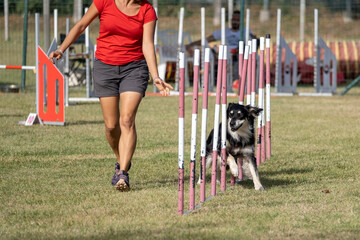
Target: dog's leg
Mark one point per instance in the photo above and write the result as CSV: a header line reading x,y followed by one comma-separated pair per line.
x,y
208,161
218,169
234,169
255,174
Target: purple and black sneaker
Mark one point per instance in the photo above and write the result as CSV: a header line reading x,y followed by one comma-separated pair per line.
x,y
123,184
116,176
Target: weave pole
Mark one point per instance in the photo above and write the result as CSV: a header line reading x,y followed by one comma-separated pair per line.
x,y
268,103
224,121
260,143
194,128
243,76
204,125
249,76
241,59
253,73
181,133
216,122
180,42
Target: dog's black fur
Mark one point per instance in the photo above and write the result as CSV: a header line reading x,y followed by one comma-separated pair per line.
x,y
240,141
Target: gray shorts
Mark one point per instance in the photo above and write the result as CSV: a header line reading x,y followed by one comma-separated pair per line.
x,y
111,80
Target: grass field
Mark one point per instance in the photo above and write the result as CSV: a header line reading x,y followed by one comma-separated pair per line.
x,y
55,181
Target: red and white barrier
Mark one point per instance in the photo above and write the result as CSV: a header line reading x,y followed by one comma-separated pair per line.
x,y
194,128
17,67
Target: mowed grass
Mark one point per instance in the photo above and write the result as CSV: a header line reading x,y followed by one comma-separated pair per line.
x,y
55,181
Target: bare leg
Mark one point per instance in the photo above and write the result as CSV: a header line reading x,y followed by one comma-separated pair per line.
x,y
111,115
129,103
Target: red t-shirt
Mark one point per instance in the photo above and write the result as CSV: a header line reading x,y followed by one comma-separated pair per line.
x,y
120,35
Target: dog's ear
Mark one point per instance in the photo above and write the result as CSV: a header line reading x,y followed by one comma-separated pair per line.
x,y
254,111
229,106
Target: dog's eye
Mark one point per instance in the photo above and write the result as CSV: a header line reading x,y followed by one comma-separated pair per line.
x,y
231,114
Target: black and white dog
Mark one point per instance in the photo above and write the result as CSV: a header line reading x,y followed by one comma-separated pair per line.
x,y
240,141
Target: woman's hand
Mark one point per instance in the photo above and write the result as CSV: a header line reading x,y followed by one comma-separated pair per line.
x,y
57,54
163,87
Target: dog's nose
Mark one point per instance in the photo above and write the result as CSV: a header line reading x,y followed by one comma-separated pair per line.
x,y
232,124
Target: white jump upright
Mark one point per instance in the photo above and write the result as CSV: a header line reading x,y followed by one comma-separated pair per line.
x,y
285,77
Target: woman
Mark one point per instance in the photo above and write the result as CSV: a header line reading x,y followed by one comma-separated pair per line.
x,y
124,57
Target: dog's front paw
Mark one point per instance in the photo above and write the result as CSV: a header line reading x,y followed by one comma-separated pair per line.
x,y
234,170
259,188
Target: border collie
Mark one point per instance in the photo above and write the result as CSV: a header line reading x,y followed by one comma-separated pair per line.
x,y
240,141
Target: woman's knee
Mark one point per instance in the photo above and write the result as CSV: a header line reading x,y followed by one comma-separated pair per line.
x,y
112,128
127,122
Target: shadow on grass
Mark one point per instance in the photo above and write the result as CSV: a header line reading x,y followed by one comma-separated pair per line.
x,y
267,181
289,171
83,122
11,115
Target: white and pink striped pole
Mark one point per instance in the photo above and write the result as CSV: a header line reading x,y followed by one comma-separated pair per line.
x,y
216,121
253,73
268,121
181,134
17,67
260,143
249,76
241,58
204,124
243,76
224,121
193,129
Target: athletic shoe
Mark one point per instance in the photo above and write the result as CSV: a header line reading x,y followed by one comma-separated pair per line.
x,y
123,184
116,176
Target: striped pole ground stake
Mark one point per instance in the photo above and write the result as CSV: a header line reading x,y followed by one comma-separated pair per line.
x,y
268,122
181,134
216,122
204,124
248,83
253,73
194,128
260,144
224,121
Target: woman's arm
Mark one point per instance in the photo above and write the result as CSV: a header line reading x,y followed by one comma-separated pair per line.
x,y
149,54
75,32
